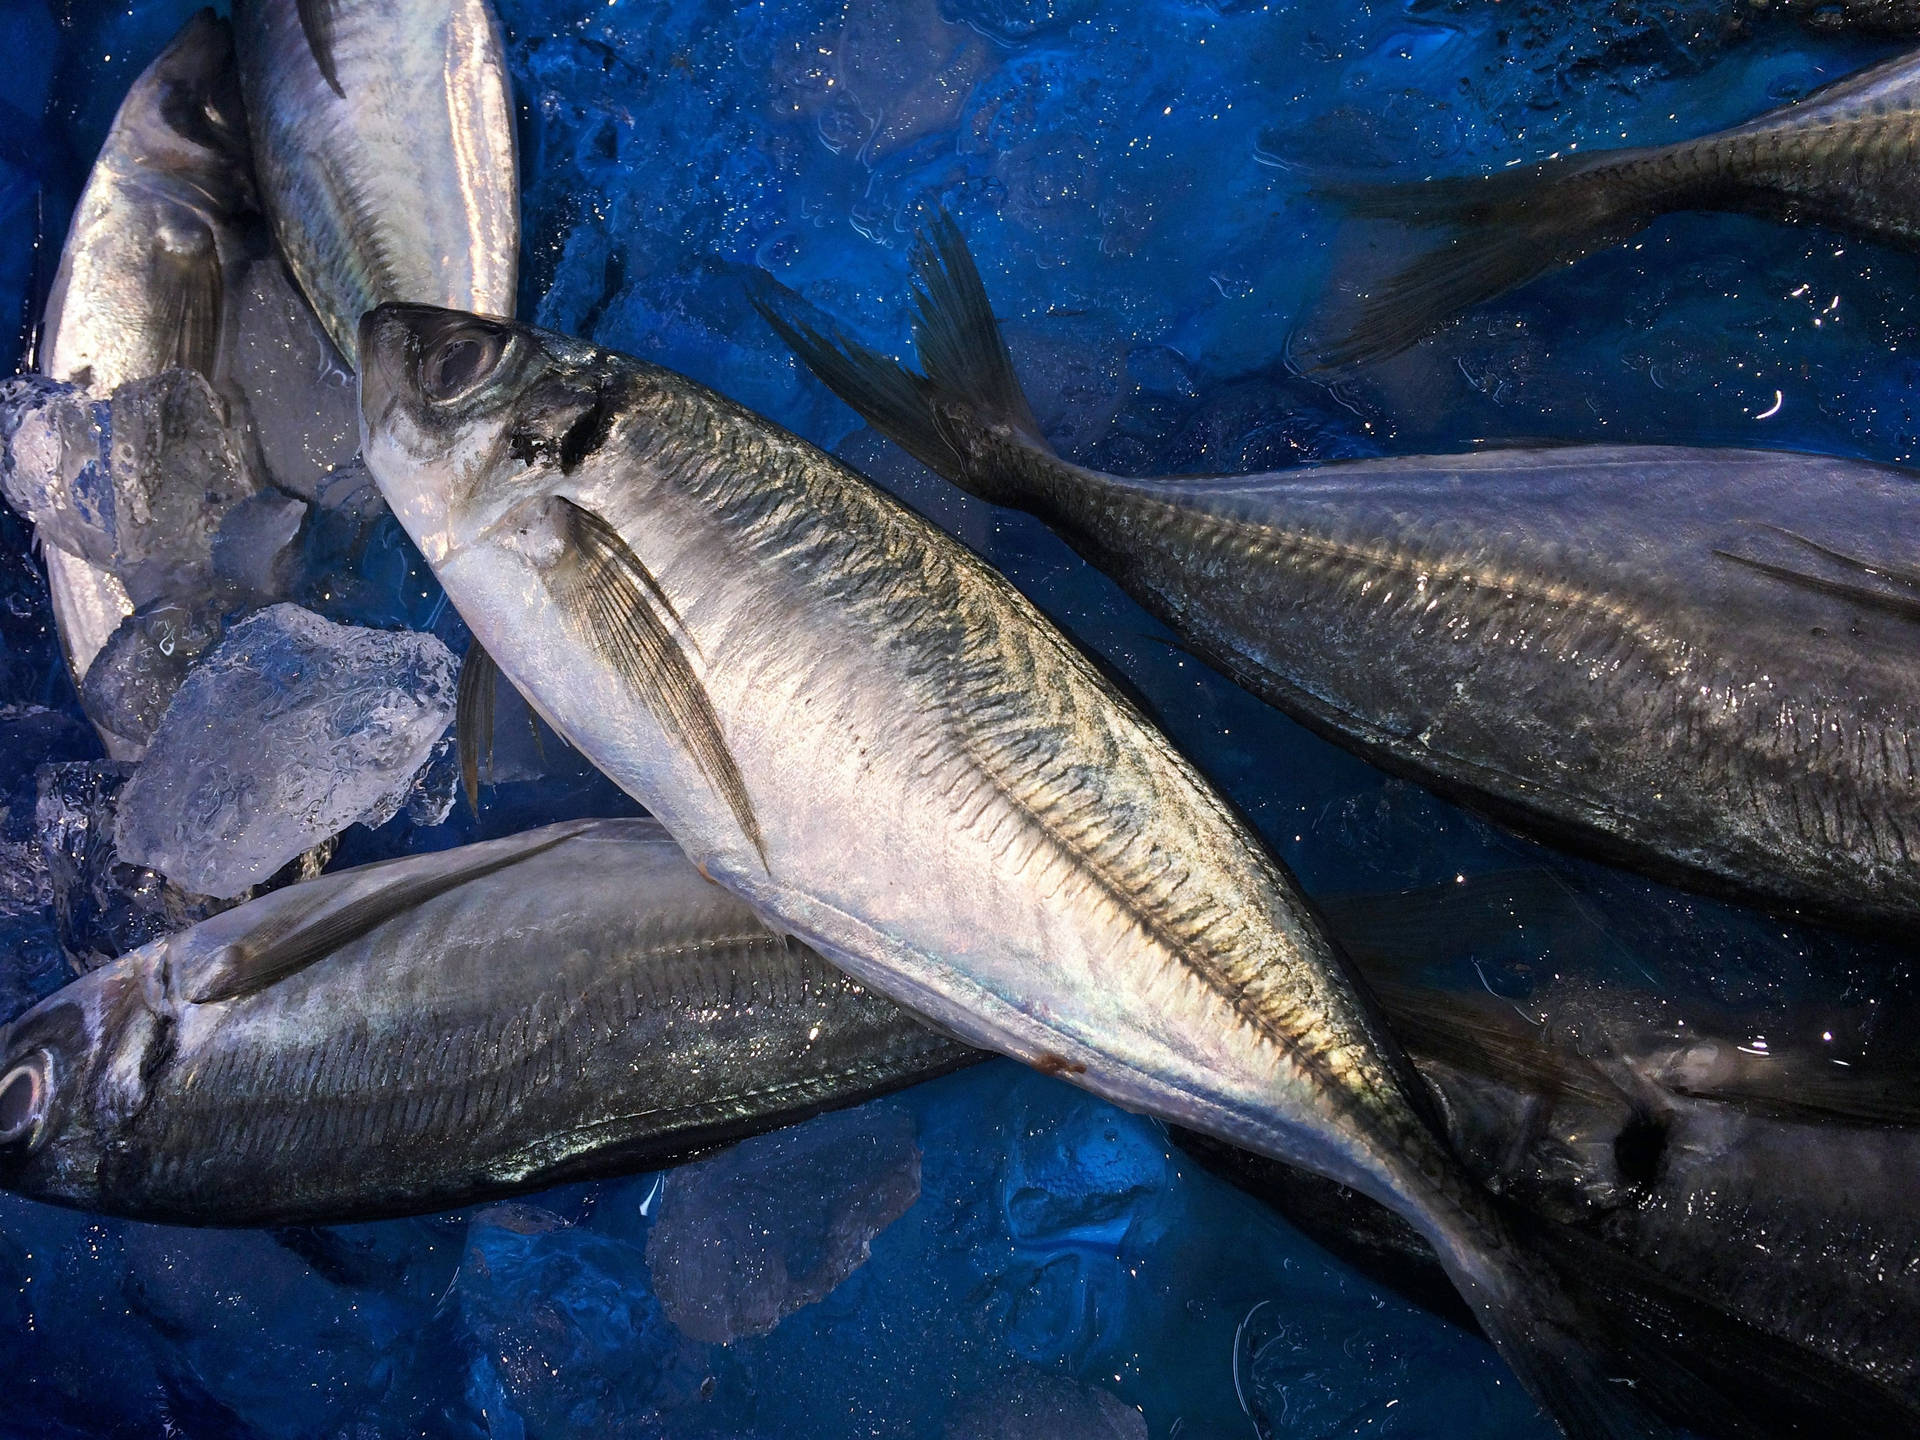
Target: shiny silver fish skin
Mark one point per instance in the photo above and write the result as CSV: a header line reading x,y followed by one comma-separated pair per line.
x,y
941,795
161,231
402,183
589,1006
1695,662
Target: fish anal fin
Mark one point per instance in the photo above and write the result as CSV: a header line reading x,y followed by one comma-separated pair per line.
x,y
306,930
618,608
473,719
316,23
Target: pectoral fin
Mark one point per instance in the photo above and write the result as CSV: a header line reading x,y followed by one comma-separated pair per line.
x,y
1901,607
473,718
307,930
617,607
187,273
316,22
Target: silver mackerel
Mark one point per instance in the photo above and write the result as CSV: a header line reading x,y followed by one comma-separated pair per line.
x,y
1696,662
162,229
853,723
434,1030
383,137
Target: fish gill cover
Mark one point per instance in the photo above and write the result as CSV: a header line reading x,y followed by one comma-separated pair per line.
x,y
1139,182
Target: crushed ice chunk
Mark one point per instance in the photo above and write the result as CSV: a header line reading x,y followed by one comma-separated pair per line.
x,y
289,730
132,680
136,484
754,1233
253,550
103,907
300,393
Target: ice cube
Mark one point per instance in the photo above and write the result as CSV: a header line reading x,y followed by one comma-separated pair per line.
x,y
300,393
253,550
135,484
102,906
754,1233
132,680
286,732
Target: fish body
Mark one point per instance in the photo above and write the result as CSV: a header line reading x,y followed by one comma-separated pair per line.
x,y
1696,662
160,235
383,137
434,1030
1842,157
766,650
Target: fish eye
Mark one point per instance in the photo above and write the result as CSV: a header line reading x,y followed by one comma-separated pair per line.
x,y
460,360
23,1097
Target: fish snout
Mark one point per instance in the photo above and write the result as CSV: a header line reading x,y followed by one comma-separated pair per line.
x,y
26,1091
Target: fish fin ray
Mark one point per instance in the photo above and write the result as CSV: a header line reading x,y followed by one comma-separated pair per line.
x,y
305,932
1899,607
620,609
1508,228
957,337
886,394
317,19
473,719
194,294
1895,574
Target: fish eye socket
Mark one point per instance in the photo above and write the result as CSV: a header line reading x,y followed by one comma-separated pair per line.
x,y
460,361
23,1097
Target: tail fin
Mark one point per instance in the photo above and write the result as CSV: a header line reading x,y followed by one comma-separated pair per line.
x,y
963,416
1509,228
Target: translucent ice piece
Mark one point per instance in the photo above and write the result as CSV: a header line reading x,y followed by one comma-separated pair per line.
x,y
133,679
288,731
751,1235
1039,1406
253,551
300,393
136,485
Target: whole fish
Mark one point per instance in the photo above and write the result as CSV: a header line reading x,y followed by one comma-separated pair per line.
x,y
855,725
435,1030
1695,662
1841,157
383,138
161,232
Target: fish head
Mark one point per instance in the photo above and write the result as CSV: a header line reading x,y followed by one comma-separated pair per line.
x,y
466,419
74,1071
186,115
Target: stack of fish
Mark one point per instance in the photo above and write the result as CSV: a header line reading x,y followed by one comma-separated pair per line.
x,y
898,818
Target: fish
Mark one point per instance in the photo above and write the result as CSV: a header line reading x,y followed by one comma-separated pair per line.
x,y
1772,1183
160,234
854,724
567,1003
382,133
1837,158
1696,663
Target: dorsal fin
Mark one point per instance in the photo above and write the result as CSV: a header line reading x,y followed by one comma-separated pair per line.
x,y
317,19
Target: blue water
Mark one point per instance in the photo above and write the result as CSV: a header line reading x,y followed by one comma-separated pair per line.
x,y
1134,176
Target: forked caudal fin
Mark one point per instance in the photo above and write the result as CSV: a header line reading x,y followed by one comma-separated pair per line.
x,y
1508,228
969,389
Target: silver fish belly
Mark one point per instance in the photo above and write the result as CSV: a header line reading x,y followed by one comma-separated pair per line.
x,y
383,137
569,1002
854,724
1696,662
160,234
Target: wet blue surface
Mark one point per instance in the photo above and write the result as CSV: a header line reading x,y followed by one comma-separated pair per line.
x,y
1135,179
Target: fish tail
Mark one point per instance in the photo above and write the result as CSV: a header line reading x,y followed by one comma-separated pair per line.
x,y
966,417
1578,1372
1508,228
